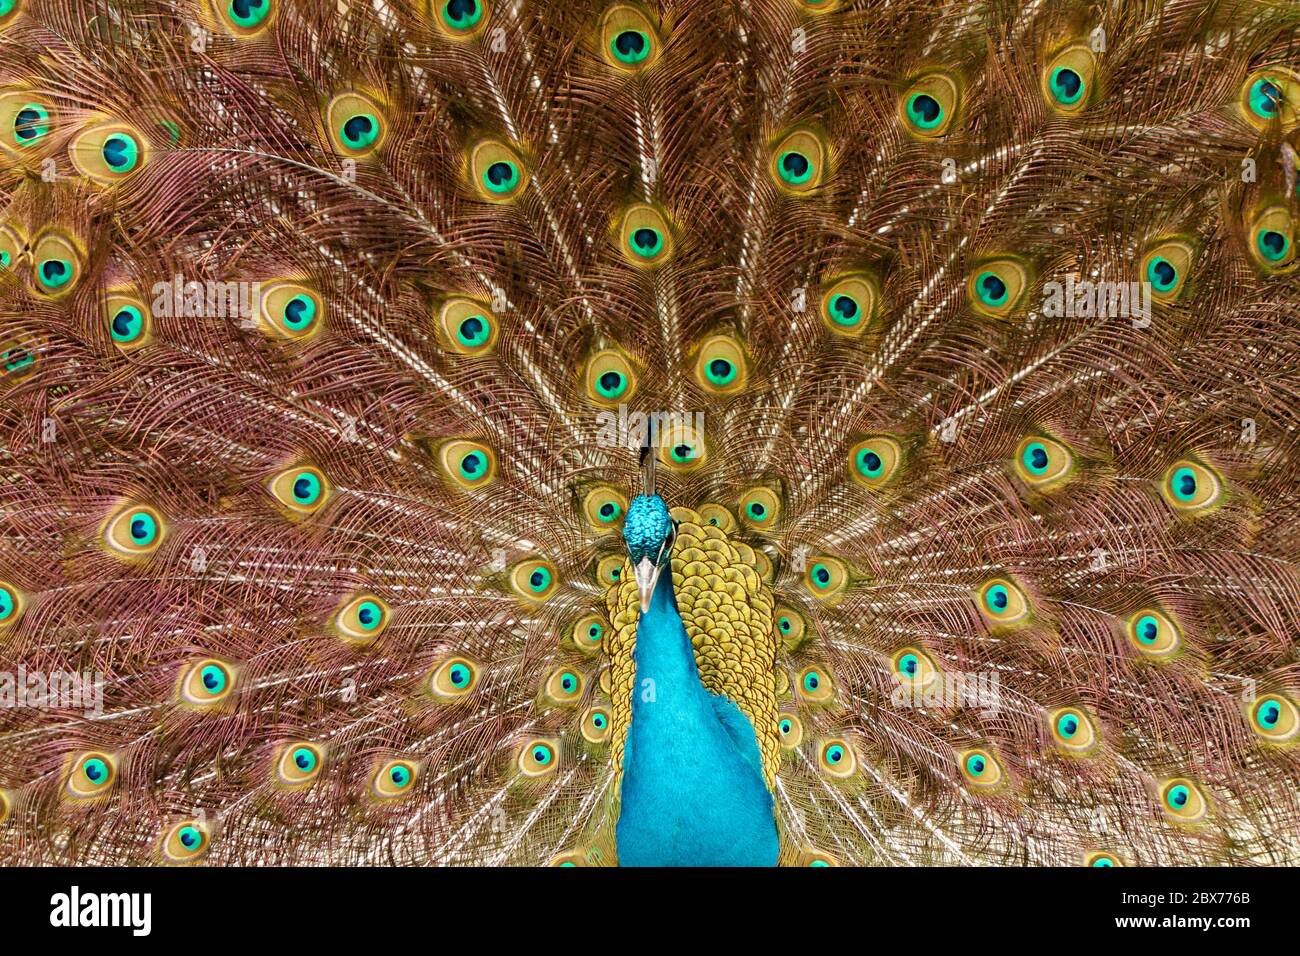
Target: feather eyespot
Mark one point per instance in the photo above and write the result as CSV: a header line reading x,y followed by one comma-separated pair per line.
x,y
9,9
980,768
1183,801
130,323
1101,859
596,725
497,171
290,310
1002,601
466,326
759,508
534,580
1068,79
720,365
1043,462
835,758
25,121
1153,633
815,685
609,569
206,683
913,667
1271,95
90,775
108,153
299,765
245,18
12,604
610,378
798,163
468,465
538,757
929,105
362,619
604,507
826,577
57,263
393,779
996,288
644,237
628,41
874,461
453,679
12,245
134,531
1072,730
1167,268
587,633
849,304
1272,240
790,730
563,686
681,446
715,515
356,124
1275,718
185,842
1191,487
302,489
458,19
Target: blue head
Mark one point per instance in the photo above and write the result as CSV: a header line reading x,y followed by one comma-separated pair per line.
x,y
648,532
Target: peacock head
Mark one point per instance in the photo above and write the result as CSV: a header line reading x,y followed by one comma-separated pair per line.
x,y
648,531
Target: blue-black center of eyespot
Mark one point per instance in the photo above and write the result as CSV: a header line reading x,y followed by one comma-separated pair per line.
x,y
872,460
1000,599
53,269
294,312
845,306
1069,726
610,381
471,327
25,123
116,151
188,838
1270,96
927,107
302,760
812,681
796,164
499,174
1187,485
366,616
461,9
1165,273
721,368
994,286
537,579
1274,241
472,463
785,624
566,682
245,8
358,127
607,510
757,510
1038,458
645,238
823,575
682,451
629,42
139,529
93,773
910,666
977,765
1068,82
302,489
1149,631
211,681
1179,797
1271,714
122,322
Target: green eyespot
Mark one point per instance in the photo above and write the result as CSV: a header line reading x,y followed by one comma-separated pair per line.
x,y
929,105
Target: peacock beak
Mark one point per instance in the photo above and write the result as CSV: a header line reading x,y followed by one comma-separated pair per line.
x,y
646,573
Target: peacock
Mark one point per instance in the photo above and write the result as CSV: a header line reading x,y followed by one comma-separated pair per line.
x,y
649,433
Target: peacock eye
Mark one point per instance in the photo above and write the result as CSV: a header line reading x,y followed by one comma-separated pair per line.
x,y
644,236
7,10
628,41
129,321
790,627
596,725
682,447
1101,859
460,18
760,507
205,683
11,605
1072,730
57,263
108,153
91,775
538,757
1043,462
980,768
290,310
563,686
134,531
714,514
1275,718
497,171
299,765
798,161
1271,95
1153,633
245,18
1183,800
816,685
996,288
392,779
604,507
1003,602
454,678
587,632
720,365
17,359
1271,235
302,489
826,577
362,619
914,667
929,105
790,730
609,569
1167,267
184,842
465,326
467,464
1068,79
356,124
1191,487
873,461
849,304
609,378
836,758
533,580
30,123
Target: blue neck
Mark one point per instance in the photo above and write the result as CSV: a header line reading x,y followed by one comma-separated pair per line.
x,y
693,791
